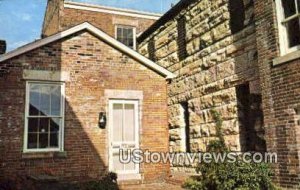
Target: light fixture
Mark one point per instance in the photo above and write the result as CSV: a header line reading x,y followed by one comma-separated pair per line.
x,y
102,120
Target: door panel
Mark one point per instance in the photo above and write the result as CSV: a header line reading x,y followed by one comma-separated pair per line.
x,y
129,123
123,130
117,122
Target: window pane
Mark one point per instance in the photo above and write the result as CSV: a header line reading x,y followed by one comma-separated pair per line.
x,y
289,7
130,33
44,124
121,40
119,33
125,33
117,123
55,100
45,100
126,42
129,122
32,140
130,42
55,124
43,140
33,124
34,100
293,32
54,140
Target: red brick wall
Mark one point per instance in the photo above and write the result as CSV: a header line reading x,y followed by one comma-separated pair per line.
x,y
104,21
51,23
93,66
58,18
280,92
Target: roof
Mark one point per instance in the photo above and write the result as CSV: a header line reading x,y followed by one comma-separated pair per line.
x,y
100,34
112,10
169,15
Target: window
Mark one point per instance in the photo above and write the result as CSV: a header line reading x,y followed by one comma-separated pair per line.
x,y
151,49
181,41
44,117
288,13
185,131
126,35
237,15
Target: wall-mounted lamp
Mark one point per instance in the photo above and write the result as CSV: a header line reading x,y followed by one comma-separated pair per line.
x,y
102,120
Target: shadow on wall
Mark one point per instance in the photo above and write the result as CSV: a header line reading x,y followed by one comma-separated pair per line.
x,y
245,66
85,156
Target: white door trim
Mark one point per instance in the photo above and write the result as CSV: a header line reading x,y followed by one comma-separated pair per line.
x,y
110,131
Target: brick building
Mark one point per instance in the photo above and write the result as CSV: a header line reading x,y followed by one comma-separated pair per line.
x,y
61,15
238,57
71,100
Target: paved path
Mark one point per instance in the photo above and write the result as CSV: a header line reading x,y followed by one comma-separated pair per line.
x,y
153,186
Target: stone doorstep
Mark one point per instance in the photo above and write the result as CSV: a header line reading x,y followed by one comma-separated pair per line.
x,y
178,178
130,182
151,186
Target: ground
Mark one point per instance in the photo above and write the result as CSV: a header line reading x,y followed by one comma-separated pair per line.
x,y
154,186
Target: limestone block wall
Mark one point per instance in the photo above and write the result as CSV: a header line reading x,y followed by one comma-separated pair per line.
x,y
217,62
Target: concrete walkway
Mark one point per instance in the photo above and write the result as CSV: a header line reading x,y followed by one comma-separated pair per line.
x,y
153,186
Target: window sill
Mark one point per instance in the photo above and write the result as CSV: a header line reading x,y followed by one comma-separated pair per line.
x,y
39,155
286,58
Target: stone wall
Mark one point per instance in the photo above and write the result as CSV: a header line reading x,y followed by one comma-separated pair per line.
x,y
217,62
94,68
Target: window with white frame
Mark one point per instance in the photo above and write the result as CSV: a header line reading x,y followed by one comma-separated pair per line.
x,y
44,116
126,35
288,13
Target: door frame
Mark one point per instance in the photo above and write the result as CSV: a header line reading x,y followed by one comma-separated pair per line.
x,y
110,131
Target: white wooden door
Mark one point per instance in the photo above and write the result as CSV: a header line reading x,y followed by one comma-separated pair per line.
x,y
123,133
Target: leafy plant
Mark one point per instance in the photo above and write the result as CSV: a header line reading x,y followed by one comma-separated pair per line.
x,y
229,175
108,182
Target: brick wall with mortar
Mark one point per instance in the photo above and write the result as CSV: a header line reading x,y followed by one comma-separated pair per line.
x,y
208,76
281,97
104,21
93,66
59,18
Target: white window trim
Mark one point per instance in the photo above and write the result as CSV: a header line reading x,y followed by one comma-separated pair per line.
x,y
61,135
282,31
124,26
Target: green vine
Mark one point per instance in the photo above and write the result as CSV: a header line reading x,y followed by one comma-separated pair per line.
x,y
227,175
218,145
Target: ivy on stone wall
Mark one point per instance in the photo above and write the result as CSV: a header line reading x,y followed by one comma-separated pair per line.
x,y
229,175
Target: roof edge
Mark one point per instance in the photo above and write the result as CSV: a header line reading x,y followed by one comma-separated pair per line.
x,y
112,10
103,36
169,15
